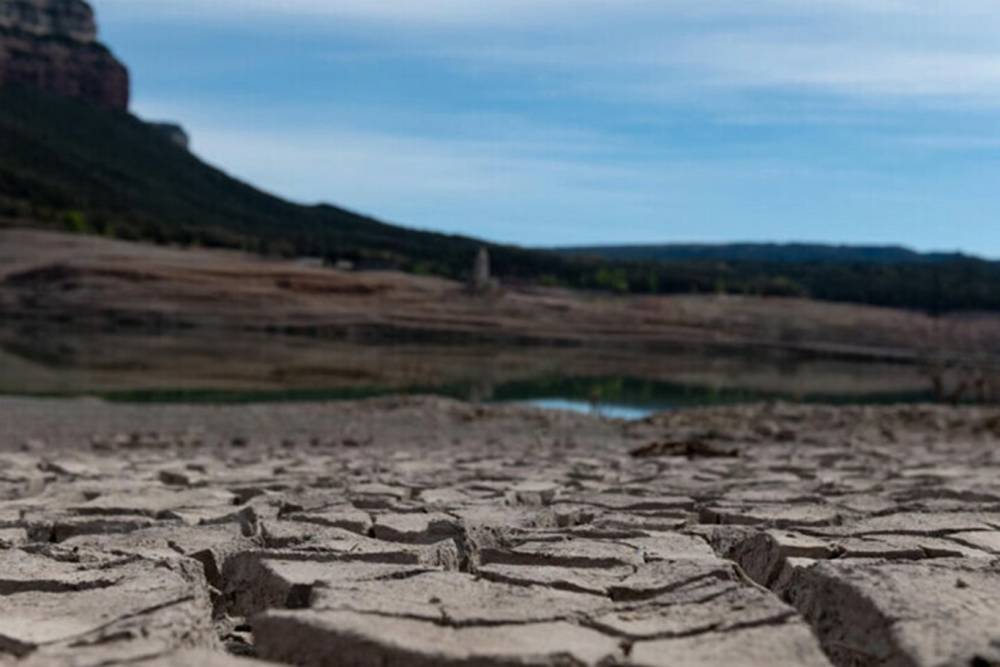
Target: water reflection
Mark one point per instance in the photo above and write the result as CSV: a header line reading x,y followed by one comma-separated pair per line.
x,y
625,381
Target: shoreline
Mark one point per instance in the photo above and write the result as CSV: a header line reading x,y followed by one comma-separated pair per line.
x,y
57,277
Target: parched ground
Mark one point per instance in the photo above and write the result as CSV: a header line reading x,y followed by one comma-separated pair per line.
x,y
427,532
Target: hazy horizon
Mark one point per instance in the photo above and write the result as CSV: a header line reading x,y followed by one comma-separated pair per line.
x,y
556,123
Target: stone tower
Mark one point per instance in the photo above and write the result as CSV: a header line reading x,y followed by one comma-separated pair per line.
x,y
481,281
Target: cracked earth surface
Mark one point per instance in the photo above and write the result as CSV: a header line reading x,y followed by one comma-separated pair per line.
x,y
428,532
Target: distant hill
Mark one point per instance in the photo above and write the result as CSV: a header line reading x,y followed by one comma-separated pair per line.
x,y
71,165
66,164
763,252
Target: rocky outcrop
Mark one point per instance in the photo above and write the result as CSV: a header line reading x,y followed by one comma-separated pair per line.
x,y
174,132
45,18
52,45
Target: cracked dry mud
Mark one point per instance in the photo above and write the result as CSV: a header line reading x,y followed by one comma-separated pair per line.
x,y
427,532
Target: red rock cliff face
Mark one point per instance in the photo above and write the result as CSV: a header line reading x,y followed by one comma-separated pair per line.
x,y
52,45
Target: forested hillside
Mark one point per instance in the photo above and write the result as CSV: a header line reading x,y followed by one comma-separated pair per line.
x,y
69,165
762,252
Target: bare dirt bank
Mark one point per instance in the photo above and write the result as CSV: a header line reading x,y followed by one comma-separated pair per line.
x,y
47,276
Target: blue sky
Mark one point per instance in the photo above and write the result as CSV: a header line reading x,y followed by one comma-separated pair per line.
x,y
567,122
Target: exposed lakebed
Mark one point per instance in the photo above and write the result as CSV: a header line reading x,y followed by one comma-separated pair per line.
x,y
424,531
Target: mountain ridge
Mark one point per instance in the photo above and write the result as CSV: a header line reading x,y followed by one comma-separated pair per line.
x,y
71,165
788,252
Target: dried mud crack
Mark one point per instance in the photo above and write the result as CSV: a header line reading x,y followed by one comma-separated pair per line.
x,y
463,535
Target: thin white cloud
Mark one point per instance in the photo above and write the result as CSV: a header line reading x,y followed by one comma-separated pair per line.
x,y
517,181
663,50
384,166
395,12
952,142
854,69
521,13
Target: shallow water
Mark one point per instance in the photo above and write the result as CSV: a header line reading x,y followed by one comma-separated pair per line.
x,y
609,410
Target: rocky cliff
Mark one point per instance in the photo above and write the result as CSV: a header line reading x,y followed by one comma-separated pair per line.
x,y
52,45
